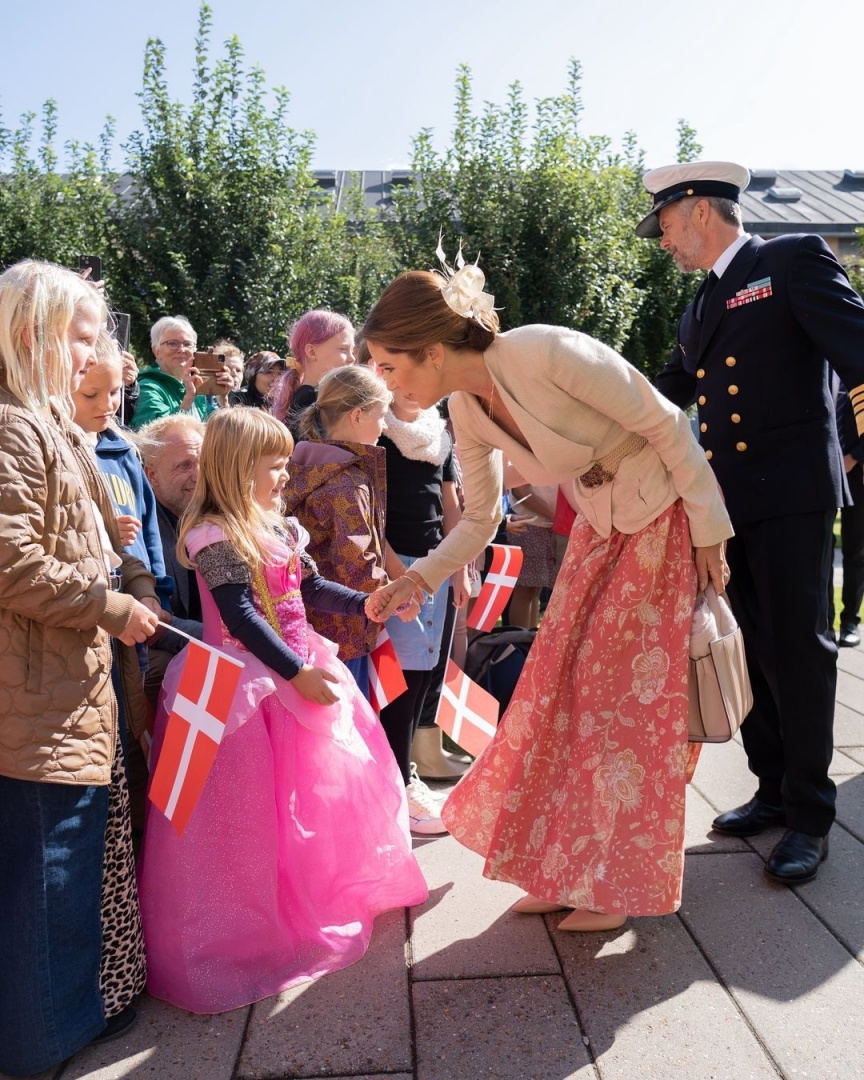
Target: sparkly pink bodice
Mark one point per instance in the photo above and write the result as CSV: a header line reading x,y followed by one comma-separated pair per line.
x,y
275,593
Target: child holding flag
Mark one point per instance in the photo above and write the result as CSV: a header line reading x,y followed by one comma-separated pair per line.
x,y
300,837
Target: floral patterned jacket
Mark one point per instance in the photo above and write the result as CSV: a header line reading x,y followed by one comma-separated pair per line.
x,y
338,492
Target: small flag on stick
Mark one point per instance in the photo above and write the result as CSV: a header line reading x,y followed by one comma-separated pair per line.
x,y
193,732
497,586
386,681
467,712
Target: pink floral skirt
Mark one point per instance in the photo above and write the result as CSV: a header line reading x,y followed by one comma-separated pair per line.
x,y
579,798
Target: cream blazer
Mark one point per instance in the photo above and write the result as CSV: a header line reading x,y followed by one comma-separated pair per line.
x,y
574,400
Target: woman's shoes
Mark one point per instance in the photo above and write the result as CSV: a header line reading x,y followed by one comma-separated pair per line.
x,y
433,762
530,905
579,920
587,922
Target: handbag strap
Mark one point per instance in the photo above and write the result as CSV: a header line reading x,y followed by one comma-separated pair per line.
x,y
722,612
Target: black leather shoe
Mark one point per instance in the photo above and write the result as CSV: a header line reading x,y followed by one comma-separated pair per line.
x,y
848,637
750,819
795,860
118,1025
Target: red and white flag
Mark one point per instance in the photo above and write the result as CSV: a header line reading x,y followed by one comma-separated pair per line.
x,y
386,681
467,712
497,586
194,730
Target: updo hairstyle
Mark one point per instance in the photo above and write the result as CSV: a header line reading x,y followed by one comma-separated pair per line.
x,y
412,314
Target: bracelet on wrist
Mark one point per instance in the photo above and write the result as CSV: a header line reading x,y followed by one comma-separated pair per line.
x,y
420,588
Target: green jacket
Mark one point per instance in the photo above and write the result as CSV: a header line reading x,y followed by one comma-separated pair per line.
x,y
160,394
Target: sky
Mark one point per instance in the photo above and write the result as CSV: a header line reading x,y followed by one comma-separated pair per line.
x,y
776,84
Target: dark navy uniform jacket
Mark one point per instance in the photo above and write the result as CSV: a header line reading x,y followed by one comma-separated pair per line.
x,y
756,367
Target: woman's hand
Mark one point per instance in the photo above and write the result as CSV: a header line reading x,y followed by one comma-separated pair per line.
x,y
711,565
193,380
382,603
311,684
516,523
141,626
461,584
130,369
129,528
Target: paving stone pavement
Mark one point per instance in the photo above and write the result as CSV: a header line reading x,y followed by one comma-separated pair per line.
x,y
749,981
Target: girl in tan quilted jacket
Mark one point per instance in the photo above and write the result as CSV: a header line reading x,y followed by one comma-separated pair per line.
x,y
70,932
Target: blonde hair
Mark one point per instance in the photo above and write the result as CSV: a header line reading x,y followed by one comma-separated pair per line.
x,y
38,302
107,351
235,441
340,392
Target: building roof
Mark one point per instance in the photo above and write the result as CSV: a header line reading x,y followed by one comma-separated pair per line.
x,y
829,202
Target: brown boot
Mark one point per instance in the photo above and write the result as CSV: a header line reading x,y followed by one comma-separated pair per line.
x,y
433,762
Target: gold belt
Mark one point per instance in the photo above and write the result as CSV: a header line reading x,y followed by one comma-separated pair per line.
x,y
603,470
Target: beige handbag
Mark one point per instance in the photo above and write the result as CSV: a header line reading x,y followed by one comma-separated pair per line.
x,y
720,693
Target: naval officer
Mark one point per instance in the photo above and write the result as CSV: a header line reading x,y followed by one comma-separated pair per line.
x,y
751,352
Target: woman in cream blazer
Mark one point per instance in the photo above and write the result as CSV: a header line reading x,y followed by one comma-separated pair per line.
x,y
579,797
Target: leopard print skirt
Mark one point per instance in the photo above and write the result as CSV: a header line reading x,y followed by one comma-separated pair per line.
x,y
122,972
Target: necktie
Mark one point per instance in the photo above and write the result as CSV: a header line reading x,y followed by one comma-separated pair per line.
x,y
708,286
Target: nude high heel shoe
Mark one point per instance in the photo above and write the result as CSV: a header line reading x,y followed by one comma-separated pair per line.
x,y
587,922
531,905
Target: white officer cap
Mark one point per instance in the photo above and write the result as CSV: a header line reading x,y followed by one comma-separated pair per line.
x,y
722,179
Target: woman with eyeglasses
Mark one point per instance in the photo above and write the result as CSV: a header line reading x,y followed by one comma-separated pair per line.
x,y
172,385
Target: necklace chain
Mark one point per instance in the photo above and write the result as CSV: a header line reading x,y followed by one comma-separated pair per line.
x,y
492,403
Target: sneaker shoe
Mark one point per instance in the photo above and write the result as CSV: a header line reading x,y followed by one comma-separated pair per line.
x,y
431,793
424,811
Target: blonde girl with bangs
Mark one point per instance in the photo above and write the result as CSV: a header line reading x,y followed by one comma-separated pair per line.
x,y
300,837
70,936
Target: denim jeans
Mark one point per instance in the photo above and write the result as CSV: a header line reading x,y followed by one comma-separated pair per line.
x,y
359,668
52,839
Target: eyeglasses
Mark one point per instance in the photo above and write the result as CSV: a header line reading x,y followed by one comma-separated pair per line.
x,y
175,345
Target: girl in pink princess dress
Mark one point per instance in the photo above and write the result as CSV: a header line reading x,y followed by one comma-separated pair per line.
x,y
300,837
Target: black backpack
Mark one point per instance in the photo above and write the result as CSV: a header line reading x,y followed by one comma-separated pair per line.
x,y
495,660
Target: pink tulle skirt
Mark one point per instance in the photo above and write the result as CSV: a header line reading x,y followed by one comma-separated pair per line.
x,y
299,840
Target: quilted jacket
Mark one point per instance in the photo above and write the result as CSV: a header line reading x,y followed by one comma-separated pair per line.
x,y
58,714
338,493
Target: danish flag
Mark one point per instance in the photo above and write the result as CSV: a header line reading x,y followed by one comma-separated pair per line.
x,y
466,711
194,730
497,586
386,681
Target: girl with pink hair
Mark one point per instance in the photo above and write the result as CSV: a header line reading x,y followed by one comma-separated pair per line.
x,y
319,341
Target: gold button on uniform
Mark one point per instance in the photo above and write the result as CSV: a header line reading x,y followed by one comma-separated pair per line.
x,y
700,374
709,454
733,389
703,427
731,361
741,446
736,419
702,400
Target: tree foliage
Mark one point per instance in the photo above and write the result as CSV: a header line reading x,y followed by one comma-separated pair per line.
x,y
218,216
225,222
48,213
549,210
